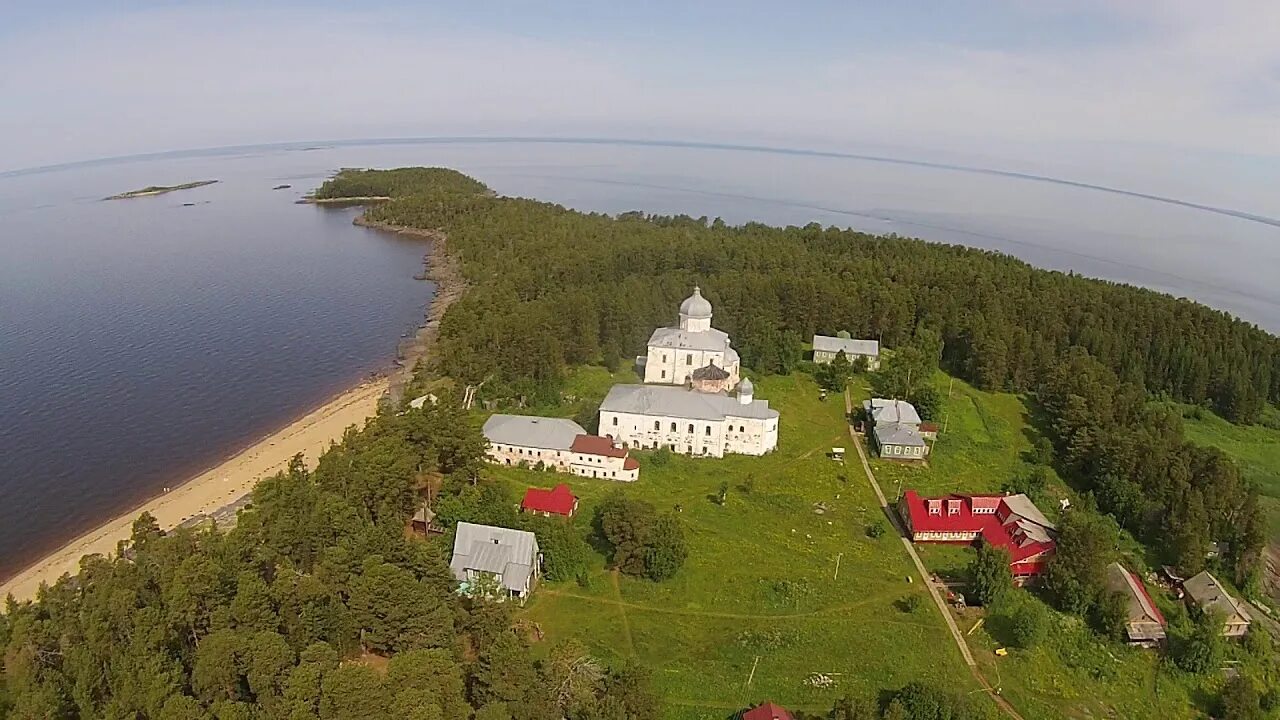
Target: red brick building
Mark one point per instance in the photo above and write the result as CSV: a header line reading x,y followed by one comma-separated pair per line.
x,y
1012,522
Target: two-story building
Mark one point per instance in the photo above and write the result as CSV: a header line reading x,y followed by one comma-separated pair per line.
x,y
826,348
674,354
1012,522
689,422
557,444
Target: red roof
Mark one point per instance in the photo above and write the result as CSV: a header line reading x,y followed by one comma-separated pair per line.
x,y
1002,528
559,500
630,464
927,427
596,445
767,711
1142,588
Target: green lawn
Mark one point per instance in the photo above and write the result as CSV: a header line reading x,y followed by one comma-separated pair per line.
x,y
981,445
760,587
1255,447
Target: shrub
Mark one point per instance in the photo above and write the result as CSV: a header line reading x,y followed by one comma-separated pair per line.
x,y
875,530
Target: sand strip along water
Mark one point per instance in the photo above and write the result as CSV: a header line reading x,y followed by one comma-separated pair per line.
x,y
310,435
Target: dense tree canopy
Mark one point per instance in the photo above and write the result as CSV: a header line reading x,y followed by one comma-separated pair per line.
x,y
285,616
553,287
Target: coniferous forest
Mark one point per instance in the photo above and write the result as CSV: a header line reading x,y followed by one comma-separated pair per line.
x,y
552,287
319,606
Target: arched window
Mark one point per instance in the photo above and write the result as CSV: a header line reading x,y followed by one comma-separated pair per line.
x,y
615,420
690,427
708,431
657,425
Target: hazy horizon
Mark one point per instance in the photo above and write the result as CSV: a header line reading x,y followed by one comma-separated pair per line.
x,y
1175,99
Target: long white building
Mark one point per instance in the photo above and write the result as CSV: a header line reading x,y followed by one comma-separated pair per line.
x,y
675,353
689,422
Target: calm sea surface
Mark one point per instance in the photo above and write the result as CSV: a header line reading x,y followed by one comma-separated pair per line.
x,y
143,340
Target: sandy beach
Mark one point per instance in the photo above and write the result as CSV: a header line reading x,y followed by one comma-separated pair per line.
x,y
214,488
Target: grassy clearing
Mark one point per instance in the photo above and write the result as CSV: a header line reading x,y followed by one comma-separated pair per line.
x,y
760,581
1255,447
761,578
985,443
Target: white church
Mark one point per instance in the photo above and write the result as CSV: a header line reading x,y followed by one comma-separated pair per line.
x,y
694,400
692,351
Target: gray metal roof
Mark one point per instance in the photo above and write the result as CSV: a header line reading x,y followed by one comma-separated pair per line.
x,y
673,401
695,305
1205,590
891,411
532,431
897,434
508,553
851,347
1020,504
677,339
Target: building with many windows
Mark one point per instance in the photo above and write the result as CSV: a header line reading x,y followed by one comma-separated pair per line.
x,y
1012,522
675,354
689,422
558,444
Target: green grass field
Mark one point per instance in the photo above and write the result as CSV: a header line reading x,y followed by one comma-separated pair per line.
x,y
759,598
760,588
1255,447
984,437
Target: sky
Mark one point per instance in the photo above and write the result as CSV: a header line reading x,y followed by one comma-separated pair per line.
x,y
1179,98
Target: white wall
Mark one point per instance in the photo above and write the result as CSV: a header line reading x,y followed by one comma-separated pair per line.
x,y
748,436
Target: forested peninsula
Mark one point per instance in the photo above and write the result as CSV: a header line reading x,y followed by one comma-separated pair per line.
x,y
319,605
159,190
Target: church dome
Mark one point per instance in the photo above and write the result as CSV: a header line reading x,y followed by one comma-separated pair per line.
x,y
745,387
696,306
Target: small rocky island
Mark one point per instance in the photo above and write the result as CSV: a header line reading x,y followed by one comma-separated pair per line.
x,y
160,190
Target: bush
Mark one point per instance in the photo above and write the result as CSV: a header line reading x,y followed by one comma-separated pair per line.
x,y
908,603
875,530
645,543
1028,623
660,457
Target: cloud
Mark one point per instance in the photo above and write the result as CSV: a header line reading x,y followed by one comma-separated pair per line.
x,y
1194,80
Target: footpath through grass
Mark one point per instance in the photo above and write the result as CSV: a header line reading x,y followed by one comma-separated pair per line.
x,y
758,608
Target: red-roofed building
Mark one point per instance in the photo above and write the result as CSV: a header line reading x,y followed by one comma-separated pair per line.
x,y
598,457
1012,522
767,711
559,500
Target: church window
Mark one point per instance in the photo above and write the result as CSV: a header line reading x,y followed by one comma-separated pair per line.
x,y
615,420
708,430
690,427
673,427
688,359
664,374
657,426
742,428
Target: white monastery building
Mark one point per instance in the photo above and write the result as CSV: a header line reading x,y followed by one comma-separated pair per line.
x,y
559,444
826,348
688,421
675,354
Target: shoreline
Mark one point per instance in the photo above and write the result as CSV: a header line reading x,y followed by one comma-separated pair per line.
x,y
215,488
222,487
441,269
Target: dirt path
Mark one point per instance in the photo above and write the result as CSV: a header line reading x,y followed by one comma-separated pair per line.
x,y
622,612
859,445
